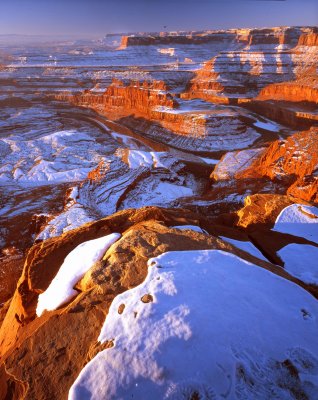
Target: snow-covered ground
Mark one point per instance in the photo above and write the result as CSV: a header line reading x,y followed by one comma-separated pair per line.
x,y
300,260
101,167
268,125
206,324
138,158
298,220
62,156
150,192
75,265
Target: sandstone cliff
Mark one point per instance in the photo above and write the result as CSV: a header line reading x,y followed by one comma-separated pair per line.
x,y
293,162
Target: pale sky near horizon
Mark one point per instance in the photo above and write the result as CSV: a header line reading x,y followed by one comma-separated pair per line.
x,y
97,17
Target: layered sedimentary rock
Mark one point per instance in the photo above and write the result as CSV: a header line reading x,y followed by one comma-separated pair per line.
x,y
276,67
291,91
292,162
151,109
268,56
136,96
261,209
310,39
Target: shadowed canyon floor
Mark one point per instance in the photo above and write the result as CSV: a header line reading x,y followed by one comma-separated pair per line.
x,y
158,209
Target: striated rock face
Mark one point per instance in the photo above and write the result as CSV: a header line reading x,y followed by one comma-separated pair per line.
x,y
166,38
286,167
135,96
292,161
297,155
269,56
310,39
295,115
290,91
305,188
150,108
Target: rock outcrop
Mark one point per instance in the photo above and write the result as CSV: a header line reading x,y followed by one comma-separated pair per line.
x,y
150,109
308,39
146,233
133,97
291,162
269,56
290,91
261,210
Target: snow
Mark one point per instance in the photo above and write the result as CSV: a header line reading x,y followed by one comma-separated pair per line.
x,y
246,246
138,158
189,227
218,327
298,220
153,193
166,191
301,261
72,217
209,160
75,265
269,126
62,156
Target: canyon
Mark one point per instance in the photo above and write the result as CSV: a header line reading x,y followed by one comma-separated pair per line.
x,y
152,183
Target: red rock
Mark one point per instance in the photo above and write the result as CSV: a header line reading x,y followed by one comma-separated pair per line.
x,y
310,39
289,91
293,162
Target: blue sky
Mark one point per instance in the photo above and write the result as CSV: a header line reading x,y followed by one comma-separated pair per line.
x,y
97,17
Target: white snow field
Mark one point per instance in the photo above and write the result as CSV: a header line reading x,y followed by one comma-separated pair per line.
x,y
213,326
75,265
139,158
268,125
299,220
301,261
63,156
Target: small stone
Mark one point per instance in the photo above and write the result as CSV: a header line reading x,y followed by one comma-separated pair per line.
x,y
121,308
147,298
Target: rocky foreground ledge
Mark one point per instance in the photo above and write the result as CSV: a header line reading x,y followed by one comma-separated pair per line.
x,y
168,288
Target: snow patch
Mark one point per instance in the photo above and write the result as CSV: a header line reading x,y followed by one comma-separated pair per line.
x,y
138,158
269,126
301,261
214,327
298,220
210,161
75,265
